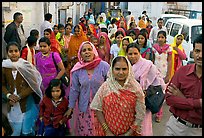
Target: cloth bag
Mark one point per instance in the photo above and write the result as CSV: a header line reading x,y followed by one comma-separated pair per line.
x,y
64,78
154,98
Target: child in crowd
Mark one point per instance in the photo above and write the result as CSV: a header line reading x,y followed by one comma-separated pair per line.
x,y
52,109
163,61
28,51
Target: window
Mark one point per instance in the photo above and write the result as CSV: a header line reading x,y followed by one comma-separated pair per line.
x,y
185,32
175,29
168,26
195,31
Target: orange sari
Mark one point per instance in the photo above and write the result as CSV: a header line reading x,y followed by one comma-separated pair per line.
x,y
74,44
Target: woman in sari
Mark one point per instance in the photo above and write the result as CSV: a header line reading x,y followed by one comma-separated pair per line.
x,y
104,47
178,53
55,45
123,45
146,73
21,85
119,103
86,77
75,41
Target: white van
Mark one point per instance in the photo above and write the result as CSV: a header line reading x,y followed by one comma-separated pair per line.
x,y
165,17
190,28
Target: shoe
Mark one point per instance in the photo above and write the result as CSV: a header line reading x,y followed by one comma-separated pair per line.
x,y
157,119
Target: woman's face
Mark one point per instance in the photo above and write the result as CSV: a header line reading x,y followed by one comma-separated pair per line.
x,y
141,39
102,39
125,43
56,30
13,53
119,38
47,35
95,42
56,93
133,55
44,48
161,39
179,40
87,53
133,36
120,71
77,31
68,29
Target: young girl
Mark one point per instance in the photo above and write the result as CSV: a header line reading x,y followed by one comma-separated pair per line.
x,y
123,45
45,63
52,109
178,53
21,84
115,48
144,48
28,51
162,61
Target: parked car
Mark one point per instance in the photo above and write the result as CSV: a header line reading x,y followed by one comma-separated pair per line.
x,y
190,28
169,16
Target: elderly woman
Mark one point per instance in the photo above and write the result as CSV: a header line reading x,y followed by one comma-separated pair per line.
x,y
119,102
86,77
146,73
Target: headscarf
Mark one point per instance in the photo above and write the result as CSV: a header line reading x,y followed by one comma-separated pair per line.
x,y
160,49
55,45
174,52
122,30
93,30
75,42
122,52
107,48
28,72
129,21
104,16
87,65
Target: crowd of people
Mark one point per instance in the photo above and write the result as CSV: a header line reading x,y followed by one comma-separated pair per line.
x,y
110,64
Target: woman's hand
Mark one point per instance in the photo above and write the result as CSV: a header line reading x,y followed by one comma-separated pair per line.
x,y
109,133
14,98
68,112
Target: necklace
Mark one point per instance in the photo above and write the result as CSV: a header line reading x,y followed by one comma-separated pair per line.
x,y
46,55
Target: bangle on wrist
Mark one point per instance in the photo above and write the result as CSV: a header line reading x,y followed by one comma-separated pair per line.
x,y
8,95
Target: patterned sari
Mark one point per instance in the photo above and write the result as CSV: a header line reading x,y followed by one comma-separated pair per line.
x,y
123,106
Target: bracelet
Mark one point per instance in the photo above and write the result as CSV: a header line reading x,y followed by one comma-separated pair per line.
x,y
105,127
8,95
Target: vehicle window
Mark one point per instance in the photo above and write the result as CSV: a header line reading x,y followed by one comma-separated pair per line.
x,y
185,32
168,26
175,29
195,31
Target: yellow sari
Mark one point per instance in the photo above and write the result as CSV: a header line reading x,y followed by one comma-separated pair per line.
x,y
174,52
122,52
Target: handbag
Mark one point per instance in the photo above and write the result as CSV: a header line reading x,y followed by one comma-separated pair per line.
x,y
64,78
154,98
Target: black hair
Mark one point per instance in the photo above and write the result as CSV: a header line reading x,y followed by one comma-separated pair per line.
x,y
69,18
31,40
131,24
131,32
16,15
143,30
126,39
60,26
6,125
48,16
56,25
34,32
143,34
76,26
11,44
118,33
68,24
160,19
46,40
104,30
114,20
132,45
144,12
129,12
117,59
48,30
198,39
54,83
161,32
